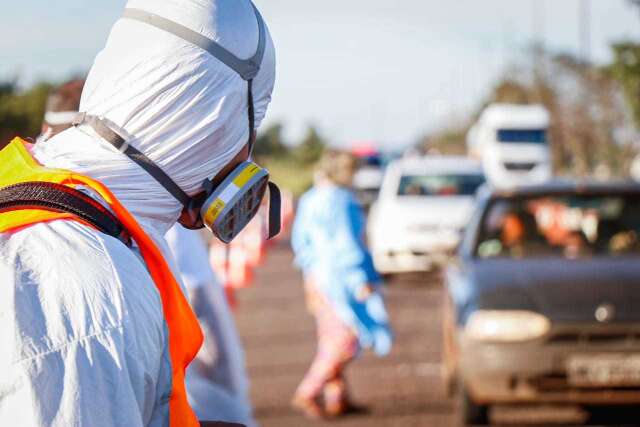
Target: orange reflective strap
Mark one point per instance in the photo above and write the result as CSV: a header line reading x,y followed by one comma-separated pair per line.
x,y
185,336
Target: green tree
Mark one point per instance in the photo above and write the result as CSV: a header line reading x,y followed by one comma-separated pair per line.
x,y
588,112
21,113
626,70
270,142
511,91
311,147
448,141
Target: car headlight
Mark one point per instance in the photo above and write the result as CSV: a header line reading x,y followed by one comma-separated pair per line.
x,y
507,325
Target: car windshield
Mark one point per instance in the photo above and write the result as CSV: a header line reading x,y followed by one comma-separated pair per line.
x,y
519,136
573,226
440,185
373,160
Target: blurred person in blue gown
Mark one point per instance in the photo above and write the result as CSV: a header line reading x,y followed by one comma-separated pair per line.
x,y
342,286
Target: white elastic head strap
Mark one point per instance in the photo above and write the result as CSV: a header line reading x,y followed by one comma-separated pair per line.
x,y
57,118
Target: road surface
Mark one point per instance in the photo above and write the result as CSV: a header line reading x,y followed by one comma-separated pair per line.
x,y
403,389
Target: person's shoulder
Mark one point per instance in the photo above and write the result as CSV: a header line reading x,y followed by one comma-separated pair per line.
x,y
344,196
308,196
328,196
66,282
70,251
69,257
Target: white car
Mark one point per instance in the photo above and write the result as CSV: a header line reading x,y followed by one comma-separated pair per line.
x,y
423,207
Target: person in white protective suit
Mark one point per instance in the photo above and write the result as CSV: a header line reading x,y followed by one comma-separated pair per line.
x,y
85,330
61,108
217,381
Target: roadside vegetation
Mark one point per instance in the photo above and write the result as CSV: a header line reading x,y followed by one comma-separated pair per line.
x,y
290,162
595,110
595,116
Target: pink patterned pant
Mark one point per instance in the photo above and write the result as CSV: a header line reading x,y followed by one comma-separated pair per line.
x,y
337,346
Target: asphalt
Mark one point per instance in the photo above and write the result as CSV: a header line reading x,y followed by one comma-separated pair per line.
x,y
403,389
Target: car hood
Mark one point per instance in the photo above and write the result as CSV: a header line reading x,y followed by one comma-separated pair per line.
x,y
441,211
564,290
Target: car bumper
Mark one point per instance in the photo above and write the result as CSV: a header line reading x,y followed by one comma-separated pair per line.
x,y
418,253
401,262
501,176
410,261
537,373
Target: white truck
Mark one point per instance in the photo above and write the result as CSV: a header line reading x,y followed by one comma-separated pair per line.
x,y
511,142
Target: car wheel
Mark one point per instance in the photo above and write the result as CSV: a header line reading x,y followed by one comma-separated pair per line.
x,y
469,412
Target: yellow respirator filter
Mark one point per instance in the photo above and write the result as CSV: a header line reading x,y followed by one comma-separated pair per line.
x,y
235,201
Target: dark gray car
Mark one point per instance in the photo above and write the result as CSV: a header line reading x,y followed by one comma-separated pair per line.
x,y
543,304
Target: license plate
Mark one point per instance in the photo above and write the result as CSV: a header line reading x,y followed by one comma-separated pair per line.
x,y
604,370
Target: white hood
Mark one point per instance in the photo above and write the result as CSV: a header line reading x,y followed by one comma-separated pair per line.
x,y
177,104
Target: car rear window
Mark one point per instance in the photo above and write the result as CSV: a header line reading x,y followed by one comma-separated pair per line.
x,y
440,185
572,226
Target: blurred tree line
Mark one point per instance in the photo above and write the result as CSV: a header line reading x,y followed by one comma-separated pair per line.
x,y
595,110
290,163
595,116
21,111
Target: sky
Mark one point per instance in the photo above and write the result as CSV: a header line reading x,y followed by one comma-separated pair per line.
x,y
374,70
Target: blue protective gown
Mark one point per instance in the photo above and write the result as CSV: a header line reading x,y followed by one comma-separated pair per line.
x,y
328,241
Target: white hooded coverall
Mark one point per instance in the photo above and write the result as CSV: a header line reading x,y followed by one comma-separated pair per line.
x,y
217,382
84,341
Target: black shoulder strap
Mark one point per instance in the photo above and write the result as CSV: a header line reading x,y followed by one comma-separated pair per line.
x,y
60,198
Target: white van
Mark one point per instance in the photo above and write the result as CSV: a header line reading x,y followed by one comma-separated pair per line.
x,y
511,141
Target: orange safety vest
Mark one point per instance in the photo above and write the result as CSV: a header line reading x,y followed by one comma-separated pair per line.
x,y
17,165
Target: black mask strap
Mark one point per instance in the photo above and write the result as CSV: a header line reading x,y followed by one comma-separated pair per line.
x,y
275,210
113,138
247,69
252,115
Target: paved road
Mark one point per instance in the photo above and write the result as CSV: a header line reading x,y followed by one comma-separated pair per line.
x,y
401,390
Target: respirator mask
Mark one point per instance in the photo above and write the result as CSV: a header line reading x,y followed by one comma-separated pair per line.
x,y
224,208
